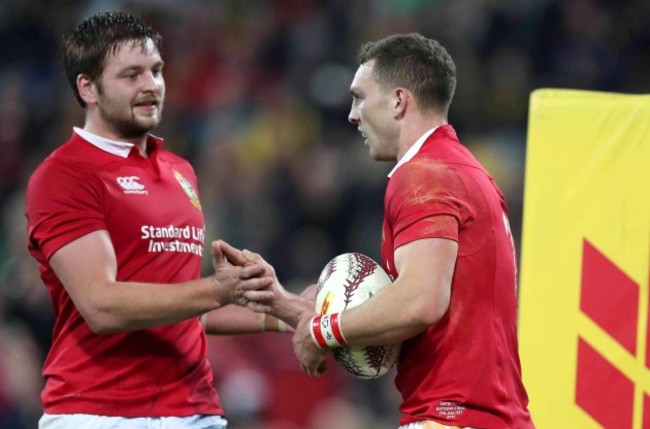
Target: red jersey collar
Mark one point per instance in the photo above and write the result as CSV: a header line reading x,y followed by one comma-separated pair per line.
x,y
115,147
412,151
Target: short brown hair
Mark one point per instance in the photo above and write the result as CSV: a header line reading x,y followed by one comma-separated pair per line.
x,y
88,46
421,65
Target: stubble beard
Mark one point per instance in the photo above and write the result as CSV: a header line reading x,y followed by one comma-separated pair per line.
x,y
130,127
124,122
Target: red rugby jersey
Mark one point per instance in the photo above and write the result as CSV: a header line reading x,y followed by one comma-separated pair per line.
x,y
151,210
464,370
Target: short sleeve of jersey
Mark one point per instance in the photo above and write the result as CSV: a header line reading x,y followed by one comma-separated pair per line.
x,y
63,203
426,199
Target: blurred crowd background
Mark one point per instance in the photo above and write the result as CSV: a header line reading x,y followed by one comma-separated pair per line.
x,y
257,100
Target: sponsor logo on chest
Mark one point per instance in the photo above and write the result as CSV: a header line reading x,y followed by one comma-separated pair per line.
x,y
172,238
131,185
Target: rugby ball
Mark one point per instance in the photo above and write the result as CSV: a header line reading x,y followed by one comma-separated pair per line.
x,y
346,281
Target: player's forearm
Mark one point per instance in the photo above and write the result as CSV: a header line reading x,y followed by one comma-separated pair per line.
x,y
290,308
417,299
393,315
235,320
127,306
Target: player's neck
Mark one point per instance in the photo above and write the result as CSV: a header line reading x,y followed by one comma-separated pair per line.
x,y
101,129
413,128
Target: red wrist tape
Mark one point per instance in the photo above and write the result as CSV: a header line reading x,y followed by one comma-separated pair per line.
x,y
326,331
316,332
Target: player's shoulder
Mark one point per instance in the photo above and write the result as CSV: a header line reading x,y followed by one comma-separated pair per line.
x,y
64,164
171,157
61,159
425,175
423,168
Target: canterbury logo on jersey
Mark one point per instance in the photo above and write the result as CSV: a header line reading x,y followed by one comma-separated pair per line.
x,y
131,185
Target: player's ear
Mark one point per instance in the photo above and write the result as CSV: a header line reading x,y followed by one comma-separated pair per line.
x,y
401,98
87,89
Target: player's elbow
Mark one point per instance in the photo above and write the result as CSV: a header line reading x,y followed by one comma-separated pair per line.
x,y
428,312
99,318
101,324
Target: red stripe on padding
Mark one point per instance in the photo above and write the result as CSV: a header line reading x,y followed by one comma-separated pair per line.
x,y
609,297
603,391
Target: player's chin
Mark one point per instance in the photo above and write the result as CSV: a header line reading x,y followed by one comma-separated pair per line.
x,y
378,156
149,122
148,118
373,153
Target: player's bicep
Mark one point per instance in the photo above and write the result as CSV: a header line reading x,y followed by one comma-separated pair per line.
x,y
86,266
426,267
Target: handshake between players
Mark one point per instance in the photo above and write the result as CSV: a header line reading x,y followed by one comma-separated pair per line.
x,y
294,310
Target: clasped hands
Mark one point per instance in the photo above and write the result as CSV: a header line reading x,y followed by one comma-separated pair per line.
x,y
295,310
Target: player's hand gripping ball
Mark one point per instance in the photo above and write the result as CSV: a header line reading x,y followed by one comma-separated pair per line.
x,y
347,281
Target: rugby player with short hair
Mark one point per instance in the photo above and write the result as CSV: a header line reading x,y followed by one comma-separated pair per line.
x,y
115,222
